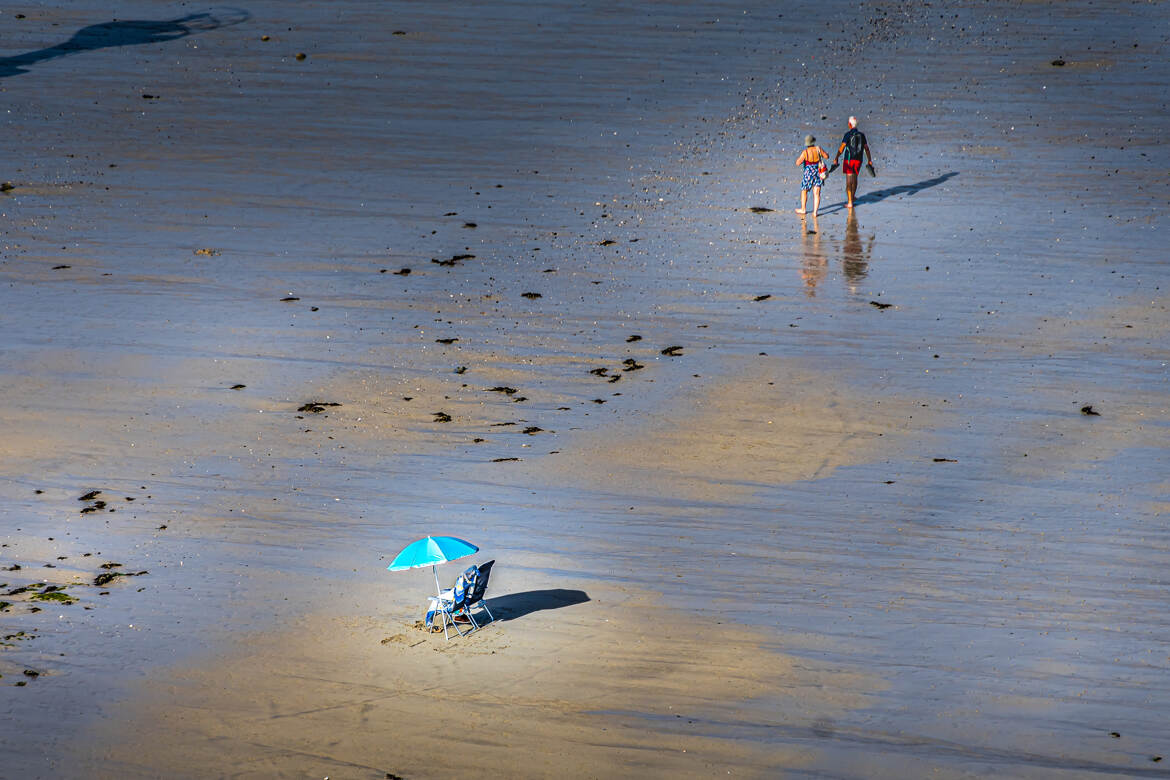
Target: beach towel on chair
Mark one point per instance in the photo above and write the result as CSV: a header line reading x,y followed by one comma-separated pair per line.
x,y
465,583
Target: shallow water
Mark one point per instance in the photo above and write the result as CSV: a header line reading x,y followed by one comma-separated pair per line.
x,y
1011,596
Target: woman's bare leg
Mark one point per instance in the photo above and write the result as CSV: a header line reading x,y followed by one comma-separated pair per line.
x,y
803,201
816,200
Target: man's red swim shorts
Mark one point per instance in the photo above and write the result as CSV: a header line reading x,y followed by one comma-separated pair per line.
x,y
851,166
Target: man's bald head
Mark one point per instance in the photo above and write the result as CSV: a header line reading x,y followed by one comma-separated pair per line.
x,y
853,121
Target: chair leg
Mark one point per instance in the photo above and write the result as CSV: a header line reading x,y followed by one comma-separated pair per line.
x,y
485,607
450,622
458,630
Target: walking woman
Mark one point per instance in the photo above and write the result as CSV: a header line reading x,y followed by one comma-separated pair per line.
x,y
812,162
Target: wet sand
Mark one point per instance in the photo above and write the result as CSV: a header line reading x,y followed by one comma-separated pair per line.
x,y
894,507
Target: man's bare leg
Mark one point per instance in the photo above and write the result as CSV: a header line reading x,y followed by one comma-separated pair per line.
x,y
850,188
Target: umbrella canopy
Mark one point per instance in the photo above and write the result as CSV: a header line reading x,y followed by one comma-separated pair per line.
x,y
430,551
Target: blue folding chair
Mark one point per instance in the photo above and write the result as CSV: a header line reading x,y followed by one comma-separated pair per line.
x,y
476,596
451,603
453,606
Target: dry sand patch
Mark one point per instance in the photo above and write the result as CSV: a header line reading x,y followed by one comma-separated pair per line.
x,y
722,439
604,684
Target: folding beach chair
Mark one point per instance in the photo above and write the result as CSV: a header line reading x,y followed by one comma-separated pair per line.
x,y
477,593
451,603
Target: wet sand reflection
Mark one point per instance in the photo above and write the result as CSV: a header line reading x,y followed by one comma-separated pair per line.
x,y
856,253
814,265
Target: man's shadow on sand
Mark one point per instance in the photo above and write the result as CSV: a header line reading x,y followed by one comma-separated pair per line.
x,y
517,605
902,189
123,33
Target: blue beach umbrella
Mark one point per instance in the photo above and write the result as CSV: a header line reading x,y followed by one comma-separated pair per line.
x,y
431,551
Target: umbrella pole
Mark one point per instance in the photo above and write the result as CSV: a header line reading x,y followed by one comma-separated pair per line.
x,y
438,590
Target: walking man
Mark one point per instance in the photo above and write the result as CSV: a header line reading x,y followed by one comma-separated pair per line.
x,y
854,145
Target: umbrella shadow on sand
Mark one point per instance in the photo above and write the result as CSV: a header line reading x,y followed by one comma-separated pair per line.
x,y
127,32
516,605
902,189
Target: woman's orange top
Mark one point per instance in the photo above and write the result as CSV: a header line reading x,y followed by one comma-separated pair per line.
x,y
813,155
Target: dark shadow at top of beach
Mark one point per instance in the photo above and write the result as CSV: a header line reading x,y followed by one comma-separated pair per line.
x,y
130,32
517,605
902,189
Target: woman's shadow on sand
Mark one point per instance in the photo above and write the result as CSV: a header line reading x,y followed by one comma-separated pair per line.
x,y
128,32
902,189
516,605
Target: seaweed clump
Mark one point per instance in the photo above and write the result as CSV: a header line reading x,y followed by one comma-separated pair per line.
x,y
106,578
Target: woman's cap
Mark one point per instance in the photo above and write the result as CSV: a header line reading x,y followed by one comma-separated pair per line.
x,y
809,140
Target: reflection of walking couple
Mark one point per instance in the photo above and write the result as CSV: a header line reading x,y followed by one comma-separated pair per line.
x,y
855,256
812,162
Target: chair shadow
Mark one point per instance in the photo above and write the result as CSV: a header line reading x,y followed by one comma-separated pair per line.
x,y
902,189
516,605
123,33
